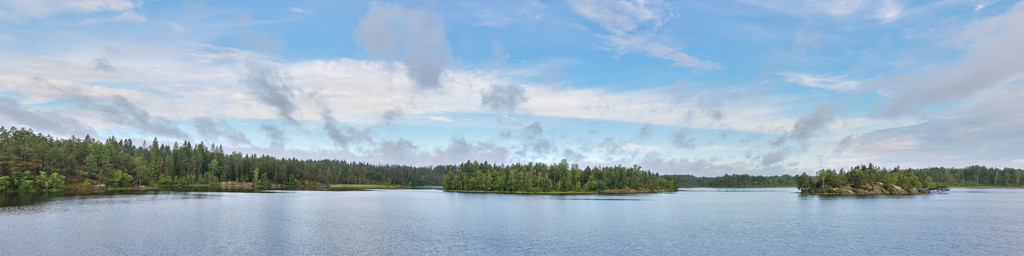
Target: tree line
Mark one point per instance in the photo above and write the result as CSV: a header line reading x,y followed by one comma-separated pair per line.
x,y
34,162
976,175
733,181
561,177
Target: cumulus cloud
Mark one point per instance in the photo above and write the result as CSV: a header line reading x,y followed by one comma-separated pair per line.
x,y
121,111
265,81
211,129
503,98
40,120
396,151
274,134
681,139
101,64
460,150
700,102
572,156
543,147
532,143
809,125
645,132
533,130
417,37
392,115
660,163
774,157
342,135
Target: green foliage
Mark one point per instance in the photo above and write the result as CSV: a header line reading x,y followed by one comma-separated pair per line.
x,y
26,182
829,181
538,177
119,179
5,184
121,163
974,176
734,181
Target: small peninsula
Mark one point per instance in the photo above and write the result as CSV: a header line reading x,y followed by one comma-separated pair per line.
x,y
867,180
561,178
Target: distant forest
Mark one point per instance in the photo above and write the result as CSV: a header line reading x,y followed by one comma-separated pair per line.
x,y
34,162
31,162
733,181
971,176
561,177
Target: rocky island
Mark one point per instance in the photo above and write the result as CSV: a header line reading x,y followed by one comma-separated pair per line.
x,y
867,180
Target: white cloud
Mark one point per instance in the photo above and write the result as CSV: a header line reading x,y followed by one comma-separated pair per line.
x,y
837,8
991,59
300,10
883,10
175,26
836,82
416,36
439,118
14,9
129,16
889,11
633,25
172,75
620,17
986,132
1017,163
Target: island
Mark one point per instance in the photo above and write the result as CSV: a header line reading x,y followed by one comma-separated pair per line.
x,y
561,178
867,180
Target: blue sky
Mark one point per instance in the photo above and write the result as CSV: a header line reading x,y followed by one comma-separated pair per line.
x,y
696,87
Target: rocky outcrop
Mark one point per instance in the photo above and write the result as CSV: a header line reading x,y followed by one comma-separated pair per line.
x,y
877,188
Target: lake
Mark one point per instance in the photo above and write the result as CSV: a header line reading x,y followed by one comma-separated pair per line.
x,y
415,221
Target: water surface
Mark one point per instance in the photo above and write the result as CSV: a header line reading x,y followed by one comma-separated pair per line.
x,y
403,222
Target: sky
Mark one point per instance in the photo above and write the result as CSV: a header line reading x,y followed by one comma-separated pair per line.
x,y
707,88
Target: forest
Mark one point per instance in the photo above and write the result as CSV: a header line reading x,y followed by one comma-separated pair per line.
x,y
733,181
975,176
971,176
557,178
31,162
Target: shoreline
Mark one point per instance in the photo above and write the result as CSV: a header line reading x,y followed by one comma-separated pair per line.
x,y
606,192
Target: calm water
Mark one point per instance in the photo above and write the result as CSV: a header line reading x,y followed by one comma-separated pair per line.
x,y
404,222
